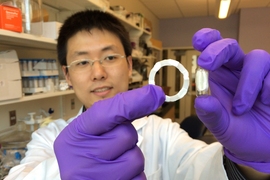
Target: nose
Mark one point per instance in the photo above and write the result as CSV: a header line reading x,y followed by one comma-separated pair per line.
x,y
98,72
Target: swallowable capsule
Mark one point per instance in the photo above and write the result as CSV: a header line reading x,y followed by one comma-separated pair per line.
x,y
201,81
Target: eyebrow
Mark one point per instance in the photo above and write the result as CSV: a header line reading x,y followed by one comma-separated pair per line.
x,y
107,48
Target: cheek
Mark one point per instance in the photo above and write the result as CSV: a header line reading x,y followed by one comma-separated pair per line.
x,y
122,74
122,80
78,81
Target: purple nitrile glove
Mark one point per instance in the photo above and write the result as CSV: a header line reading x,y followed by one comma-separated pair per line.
x,y
101,142
238,111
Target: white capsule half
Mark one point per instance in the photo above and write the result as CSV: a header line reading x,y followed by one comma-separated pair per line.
x,y
201,81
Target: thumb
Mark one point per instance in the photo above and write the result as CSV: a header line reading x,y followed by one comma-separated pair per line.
x,y
210,112
204,37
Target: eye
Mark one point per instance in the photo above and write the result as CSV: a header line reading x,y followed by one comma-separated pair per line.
x,y
84,62
111,57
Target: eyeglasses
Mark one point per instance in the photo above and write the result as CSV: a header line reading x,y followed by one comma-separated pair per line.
x,y
85,65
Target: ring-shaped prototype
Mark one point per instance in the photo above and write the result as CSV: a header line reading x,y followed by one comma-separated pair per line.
x,y
181,68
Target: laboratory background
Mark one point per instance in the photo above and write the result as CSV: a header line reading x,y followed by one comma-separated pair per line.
x,y
33,91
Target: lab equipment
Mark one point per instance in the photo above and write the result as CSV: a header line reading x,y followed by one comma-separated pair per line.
x,y
13,146
31,82
25,82
56,83
237,112
47,117
32,16
39,75
102,131
41,82
54,64
49,64
201,81
35,82
24,65
35,61
34,121
30,65
63,85
31,121
181,68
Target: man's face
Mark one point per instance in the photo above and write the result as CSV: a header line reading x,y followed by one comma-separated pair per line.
x,y
100,82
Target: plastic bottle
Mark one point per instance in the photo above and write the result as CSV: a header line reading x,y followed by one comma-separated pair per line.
x,y
30,65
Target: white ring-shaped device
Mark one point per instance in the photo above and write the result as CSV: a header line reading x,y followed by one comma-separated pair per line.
x,y
181,68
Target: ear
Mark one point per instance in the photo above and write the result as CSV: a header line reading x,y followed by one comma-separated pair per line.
x,y
66,74
130,65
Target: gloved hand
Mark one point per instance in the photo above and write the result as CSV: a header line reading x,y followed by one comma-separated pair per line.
x,y
101,142
238,111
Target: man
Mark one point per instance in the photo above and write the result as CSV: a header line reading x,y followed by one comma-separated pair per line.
x,y
113,138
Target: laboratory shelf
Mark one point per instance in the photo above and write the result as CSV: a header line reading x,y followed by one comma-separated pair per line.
x,y
73,5
148,57
156,48
34,41
26,40
37,96
76,5
128,25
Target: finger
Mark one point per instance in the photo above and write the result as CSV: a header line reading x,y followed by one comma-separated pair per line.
x,y
223,52
204,37
140,177
109,145
224,79
104,115
127,166
255,69
209,111
119,140
265,93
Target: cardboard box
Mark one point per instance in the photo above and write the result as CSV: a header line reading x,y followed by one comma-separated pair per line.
x,y
147,25
10,76
51,29
156,43
10,18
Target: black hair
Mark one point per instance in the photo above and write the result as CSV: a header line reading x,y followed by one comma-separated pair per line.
x,y
85,21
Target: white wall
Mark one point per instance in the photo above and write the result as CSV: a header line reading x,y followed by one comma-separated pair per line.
x,y
254,31
251,28
179,32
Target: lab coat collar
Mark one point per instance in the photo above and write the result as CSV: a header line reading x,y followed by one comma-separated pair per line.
x,y
138,124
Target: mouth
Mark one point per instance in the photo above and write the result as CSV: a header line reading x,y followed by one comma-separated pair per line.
x,y
101,91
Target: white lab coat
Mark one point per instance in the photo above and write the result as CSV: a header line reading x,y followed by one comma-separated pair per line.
x,y
170,154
